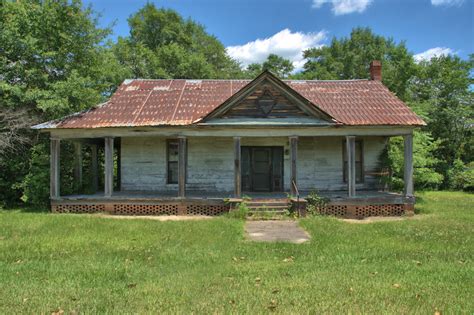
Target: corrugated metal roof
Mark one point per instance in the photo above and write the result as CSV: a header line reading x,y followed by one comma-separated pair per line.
x,y
183,102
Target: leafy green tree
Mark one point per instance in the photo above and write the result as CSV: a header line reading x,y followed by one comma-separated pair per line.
x,y
443,85
164,45
349,58
424,174
277,65
53,61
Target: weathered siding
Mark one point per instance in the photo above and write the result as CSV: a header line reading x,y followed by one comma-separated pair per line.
x,y
210,163
320,162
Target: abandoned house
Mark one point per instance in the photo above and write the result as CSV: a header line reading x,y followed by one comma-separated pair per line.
x,y
199,146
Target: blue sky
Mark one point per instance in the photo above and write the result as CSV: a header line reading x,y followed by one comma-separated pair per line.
x,y
251,29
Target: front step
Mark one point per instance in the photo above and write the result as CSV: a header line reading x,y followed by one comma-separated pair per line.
x,y
268,206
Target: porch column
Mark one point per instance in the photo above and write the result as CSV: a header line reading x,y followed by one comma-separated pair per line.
x,y
237,168
293,157
351,169
182,167
94,168
408,164
54,182
77,166
109,166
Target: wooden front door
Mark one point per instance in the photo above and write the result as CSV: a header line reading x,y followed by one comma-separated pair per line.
x,y
262,169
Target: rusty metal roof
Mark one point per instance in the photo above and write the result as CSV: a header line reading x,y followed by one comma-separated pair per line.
x,y
184,102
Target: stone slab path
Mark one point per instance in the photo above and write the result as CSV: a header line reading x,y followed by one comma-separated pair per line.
x,y
275,231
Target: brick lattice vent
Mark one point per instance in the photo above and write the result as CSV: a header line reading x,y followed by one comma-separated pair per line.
x,y
206,209
336,210
379,210
139,209
80,208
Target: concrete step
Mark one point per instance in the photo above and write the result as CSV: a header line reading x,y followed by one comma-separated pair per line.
x,y
268,208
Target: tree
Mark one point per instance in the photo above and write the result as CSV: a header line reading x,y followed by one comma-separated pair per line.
x,y
349,58
53,61
277,65
164,45
443,86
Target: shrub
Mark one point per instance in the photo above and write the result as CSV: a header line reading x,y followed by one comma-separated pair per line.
x,y
240,212
315,203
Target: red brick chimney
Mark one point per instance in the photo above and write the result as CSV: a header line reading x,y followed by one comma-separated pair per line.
x,y
376,70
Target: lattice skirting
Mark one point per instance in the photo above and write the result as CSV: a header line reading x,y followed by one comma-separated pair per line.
x,y
367,210
143,208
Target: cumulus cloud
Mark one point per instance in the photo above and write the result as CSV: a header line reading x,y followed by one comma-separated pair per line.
x,y
341,7
433,52
446,2
287,44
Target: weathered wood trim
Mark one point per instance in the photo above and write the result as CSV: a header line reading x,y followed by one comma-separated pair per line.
x,y
237,168
77,166
109,166
408,165
182,167
293,158
54,185
232,131
94,168
351,171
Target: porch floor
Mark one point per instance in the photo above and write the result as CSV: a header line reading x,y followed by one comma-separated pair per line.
x,y
172,195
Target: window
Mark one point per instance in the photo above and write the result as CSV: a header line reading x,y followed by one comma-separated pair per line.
x,y
172,160
358,161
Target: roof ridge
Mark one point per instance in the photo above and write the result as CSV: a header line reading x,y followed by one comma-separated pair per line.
x,y
128,81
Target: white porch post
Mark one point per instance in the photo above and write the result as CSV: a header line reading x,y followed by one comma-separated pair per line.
x,y
351,169
54,182
408,165
109,166
293,158
182,167
237,168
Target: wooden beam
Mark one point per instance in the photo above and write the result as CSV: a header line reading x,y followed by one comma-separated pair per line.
x,y
293,158
351,168
54,183
237,168
182,167
94,168
408,165
109,166
77,166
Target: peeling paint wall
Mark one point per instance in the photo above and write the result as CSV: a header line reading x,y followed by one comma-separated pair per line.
x,y
211,163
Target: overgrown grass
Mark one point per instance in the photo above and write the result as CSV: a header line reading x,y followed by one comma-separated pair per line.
x,y
97,265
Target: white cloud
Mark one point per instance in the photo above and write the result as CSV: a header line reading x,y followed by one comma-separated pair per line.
x,y
446,2
287,44
341,7
433,52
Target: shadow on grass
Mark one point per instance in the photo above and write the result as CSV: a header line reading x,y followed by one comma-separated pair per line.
x,y
28,209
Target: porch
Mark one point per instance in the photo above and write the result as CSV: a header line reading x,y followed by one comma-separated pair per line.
x,y
207,175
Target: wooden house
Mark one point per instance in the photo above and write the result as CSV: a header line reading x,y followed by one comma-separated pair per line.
x,y
188,146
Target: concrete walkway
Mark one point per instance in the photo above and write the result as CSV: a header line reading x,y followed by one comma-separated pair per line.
x,y
275,231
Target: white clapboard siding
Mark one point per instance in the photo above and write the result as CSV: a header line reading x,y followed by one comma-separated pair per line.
x,y
211,163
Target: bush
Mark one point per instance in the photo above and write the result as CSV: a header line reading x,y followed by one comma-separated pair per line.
x,y
315,203
461,176
240,212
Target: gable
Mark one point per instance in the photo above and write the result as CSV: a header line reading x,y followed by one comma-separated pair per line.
x,y
268,99
265,102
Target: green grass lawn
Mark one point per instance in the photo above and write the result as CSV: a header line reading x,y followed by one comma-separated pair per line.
x,y
98,265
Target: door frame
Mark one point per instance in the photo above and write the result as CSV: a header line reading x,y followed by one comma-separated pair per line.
x,y
273,150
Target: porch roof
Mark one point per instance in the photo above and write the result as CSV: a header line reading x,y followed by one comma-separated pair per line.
x,y
138,103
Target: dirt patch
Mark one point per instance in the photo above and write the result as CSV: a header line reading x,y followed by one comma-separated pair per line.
x,y
155,217
275,231
379,219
